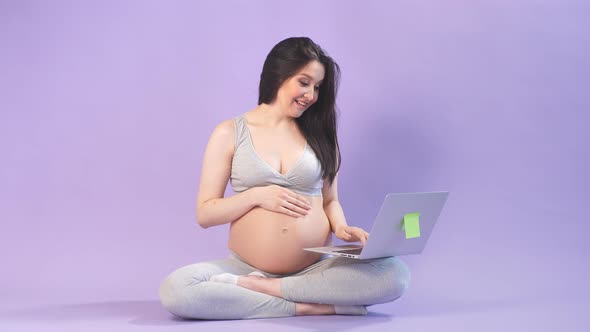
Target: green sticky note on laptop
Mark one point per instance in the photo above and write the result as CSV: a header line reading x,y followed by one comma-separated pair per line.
x,y
412,225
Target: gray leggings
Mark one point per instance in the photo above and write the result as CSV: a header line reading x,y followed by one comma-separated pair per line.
x,y
188,293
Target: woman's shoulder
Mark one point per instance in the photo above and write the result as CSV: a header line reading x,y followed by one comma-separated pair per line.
x,y
226,129
225,126
223,136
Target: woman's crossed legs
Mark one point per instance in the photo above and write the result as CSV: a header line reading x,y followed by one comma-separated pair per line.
x,y
334,285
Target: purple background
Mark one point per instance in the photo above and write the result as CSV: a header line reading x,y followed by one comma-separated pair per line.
x,y
106,107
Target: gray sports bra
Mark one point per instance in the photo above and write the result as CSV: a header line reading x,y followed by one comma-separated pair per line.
x,y
249,170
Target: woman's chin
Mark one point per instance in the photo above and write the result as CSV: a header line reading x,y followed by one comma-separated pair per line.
x,y
298,111
295,114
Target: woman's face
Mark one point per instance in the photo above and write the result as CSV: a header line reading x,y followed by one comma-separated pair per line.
x,y
301,90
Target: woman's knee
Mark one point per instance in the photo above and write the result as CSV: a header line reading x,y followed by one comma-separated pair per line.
x,y
178,290
187,292
396,277
171,294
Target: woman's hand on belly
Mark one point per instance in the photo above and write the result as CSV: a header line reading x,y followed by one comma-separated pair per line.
x,y
282,200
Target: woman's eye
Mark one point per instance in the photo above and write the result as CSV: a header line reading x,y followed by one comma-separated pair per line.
x,y
303,84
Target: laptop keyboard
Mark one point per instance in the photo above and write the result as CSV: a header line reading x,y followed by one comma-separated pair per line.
x,y
356,251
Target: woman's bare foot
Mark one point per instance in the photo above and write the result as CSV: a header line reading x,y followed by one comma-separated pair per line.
x,y
307,309
270,286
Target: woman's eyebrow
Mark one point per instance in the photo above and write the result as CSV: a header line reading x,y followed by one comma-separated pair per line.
x,y
311,78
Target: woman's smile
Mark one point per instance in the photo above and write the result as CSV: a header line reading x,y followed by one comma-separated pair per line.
x,y
301,104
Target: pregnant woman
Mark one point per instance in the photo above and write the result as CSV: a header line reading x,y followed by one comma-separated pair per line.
x,y
282,159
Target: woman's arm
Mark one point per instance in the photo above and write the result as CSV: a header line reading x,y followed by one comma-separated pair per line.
x,y
335,215
212,208
332,206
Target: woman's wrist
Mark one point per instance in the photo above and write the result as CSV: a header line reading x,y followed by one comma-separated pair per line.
x,y
252,198
337,227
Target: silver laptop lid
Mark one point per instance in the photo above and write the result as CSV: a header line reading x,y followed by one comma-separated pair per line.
x,y
389,235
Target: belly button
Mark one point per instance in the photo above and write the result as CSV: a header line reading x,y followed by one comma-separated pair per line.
x,y
284,229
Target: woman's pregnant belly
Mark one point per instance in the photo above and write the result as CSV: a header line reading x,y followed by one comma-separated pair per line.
x,y
274,242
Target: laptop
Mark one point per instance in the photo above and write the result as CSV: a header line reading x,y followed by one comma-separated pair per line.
x,y
402,227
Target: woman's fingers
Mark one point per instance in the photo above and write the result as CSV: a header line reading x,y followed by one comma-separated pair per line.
x,y
295,208
290,213
352,234
360,235
347,233
299,201
297,204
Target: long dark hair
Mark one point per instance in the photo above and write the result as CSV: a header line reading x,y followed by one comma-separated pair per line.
x,y
318,122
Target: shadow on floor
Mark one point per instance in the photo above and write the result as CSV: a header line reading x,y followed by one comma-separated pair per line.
x,y
151,313
135,312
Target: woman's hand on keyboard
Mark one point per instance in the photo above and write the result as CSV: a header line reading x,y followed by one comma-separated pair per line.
x,y
282,200
351,234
